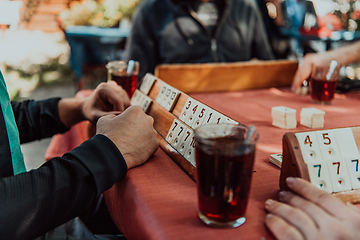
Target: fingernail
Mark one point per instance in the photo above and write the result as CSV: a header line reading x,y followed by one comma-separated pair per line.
x,y
290,180
269,202
282,195
269,215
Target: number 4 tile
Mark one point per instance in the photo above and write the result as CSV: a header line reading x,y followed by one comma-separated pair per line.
x,y
186,109
309,146
194,111
199,119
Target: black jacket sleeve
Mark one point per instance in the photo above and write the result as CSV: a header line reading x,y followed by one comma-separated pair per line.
x,y
37,119
35,202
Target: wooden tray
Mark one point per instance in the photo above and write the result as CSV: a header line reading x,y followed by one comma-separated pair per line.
x,y
164,116
294,164
219,77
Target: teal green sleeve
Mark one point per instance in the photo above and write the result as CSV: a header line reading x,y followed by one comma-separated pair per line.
x,y
11,128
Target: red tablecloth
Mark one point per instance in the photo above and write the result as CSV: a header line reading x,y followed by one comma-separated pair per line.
x,y
158,200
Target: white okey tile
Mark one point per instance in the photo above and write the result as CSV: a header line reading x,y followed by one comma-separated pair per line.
x,y
190,151
166,95
171,100
185,141
230,121
209,116
354,173
175,126
161,94
339,176
309,146
346,142
135,97
178,135
147,83
218,118
319,175
199,119
194,110
145,103
185,111
328,145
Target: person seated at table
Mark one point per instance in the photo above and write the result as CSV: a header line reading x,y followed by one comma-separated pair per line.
x,y
202,31
310,213
344,55
34,203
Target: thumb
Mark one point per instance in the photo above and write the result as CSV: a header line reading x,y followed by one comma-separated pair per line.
x,y
107,117
97,114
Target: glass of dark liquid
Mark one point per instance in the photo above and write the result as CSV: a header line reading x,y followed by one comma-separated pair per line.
x,y
125,74
323,82
224,164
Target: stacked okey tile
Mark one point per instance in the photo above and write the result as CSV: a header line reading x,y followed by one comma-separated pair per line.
x,y
312,117
283,117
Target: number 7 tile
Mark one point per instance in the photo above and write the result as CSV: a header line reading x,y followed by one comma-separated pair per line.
x,y
319,175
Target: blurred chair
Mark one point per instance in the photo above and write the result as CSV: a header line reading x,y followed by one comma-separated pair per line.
x,y
219,77
91,48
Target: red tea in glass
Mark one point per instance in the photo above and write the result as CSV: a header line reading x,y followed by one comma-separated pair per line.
x,y
126,81
125,74
322,90
224,169
323,82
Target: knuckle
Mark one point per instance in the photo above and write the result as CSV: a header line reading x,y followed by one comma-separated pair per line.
x,y
289,234
276,207
102,85
150,120
137,109
308,56
320,197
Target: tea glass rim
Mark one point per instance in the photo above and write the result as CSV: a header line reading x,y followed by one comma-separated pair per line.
x,y
117,63
211,139
323,66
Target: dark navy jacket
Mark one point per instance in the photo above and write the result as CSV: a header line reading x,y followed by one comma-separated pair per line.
x,y
167,32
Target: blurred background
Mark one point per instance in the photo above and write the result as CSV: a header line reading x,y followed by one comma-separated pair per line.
x,y
57,47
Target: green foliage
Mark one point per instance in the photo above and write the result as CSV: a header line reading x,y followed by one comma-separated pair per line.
x,y
106,13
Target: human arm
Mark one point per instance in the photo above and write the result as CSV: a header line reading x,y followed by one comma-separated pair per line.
x,y
107,98
39,119
34,202
311,213
344,55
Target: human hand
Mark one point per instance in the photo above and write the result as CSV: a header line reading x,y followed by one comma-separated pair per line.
x,y
132,132
304,71
107,98
311,213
